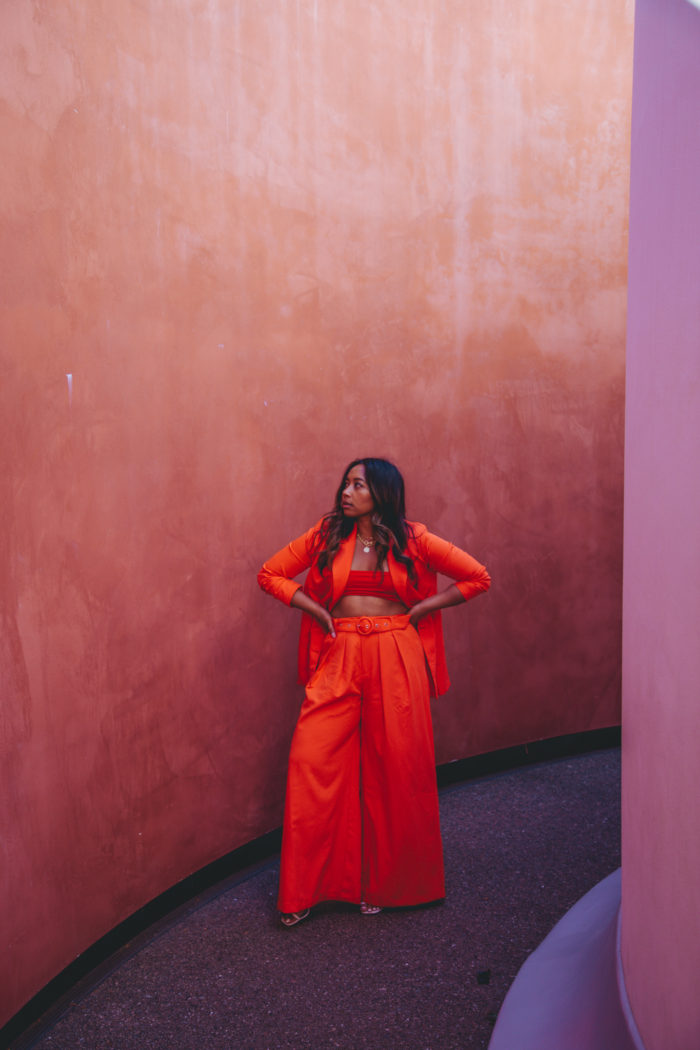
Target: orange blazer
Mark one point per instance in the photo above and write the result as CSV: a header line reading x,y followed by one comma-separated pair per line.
x,y
431,555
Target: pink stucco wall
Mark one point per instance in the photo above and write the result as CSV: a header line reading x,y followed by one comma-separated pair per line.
x,y
241,243
661,653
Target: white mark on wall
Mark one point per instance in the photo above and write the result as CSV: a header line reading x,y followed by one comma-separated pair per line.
x,y
69,377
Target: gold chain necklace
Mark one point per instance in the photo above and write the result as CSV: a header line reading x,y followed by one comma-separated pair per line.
x,y
366,544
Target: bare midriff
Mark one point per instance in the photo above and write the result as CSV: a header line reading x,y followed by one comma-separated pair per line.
x,y
366,605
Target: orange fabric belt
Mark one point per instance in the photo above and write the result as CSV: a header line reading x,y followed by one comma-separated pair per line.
x,y
371,624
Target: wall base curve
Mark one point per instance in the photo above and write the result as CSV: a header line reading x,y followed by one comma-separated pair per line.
x,y
568,992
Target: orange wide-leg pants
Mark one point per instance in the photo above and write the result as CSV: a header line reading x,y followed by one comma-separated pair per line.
x,y
361,817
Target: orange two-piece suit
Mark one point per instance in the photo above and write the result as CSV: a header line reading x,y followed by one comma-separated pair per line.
x,y
361,814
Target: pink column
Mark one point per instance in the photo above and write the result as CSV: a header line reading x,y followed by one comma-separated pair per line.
x,y
661,637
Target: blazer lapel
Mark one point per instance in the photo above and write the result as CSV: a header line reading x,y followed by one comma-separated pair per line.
x,y
341,567
399,575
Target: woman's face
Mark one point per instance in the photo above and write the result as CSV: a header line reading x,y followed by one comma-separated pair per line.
x,y
356,498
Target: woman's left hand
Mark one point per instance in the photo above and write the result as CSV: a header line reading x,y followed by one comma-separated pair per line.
x,y
451,596
417,612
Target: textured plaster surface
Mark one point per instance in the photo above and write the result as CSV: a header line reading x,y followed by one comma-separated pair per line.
x,y
240,244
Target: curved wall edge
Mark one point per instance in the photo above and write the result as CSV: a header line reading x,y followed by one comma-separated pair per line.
x,y
567,992
625,1004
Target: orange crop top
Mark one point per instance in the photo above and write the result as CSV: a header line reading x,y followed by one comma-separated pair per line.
x,y
371,583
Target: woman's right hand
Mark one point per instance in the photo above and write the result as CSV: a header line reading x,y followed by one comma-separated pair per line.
x,y
302,601
326,621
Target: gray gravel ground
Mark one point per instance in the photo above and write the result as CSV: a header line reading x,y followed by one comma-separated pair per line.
x,y
520,848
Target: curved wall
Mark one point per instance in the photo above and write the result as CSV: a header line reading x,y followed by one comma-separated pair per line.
x,y
661,656
240,244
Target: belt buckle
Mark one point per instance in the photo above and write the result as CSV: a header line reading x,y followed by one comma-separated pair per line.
x,y
365,625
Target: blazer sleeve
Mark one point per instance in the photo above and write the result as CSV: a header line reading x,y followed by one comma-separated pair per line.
x,y
442,556
277,574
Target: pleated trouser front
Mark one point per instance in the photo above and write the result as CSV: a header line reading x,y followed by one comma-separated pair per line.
x,y
361,815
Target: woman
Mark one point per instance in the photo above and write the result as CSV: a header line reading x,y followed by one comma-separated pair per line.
x,y
361,818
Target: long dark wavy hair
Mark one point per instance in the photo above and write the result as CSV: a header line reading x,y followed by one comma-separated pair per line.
x,y
391,530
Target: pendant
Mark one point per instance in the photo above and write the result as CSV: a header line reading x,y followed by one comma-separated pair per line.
x,y
366,550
